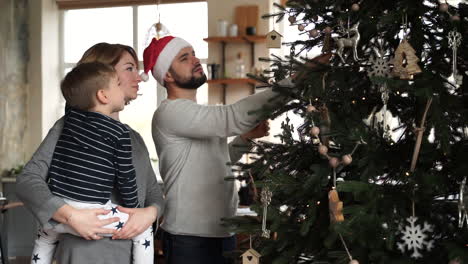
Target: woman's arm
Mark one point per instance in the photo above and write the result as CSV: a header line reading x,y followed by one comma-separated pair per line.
x,y
33,191
31,183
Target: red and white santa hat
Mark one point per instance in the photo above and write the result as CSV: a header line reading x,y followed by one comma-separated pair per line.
x,y
159,54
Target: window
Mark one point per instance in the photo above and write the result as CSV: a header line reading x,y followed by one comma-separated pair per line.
x,y
130,29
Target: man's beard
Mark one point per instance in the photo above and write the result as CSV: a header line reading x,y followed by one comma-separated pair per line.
x,y
191,84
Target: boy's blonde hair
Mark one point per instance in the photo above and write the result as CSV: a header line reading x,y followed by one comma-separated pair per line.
x,y
81,84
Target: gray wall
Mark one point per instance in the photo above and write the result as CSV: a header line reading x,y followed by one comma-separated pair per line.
x,y
13,82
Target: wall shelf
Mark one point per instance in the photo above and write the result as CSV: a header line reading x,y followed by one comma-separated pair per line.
x,y
252,40
239,39
232,81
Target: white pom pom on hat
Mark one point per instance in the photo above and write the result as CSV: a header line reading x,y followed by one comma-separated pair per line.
x,y
159,54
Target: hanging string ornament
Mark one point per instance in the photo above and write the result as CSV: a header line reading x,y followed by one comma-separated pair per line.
x,y
454,40
462,208
265,198
405,62
334,203
415,237
157,30
380,67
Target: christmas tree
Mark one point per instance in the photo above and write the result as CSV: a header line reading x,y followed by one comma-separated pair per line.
x,y
377,172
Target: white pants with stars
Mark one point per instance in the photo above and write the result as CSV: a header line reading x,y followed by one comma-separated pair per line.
x,y
47,239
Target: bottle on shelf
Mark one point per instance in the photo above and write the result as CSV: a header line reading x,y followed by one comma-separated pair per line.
x,y
240,67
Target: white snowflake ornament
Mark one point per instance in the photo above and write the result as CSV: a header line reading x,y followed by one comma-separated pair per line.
x,y
415,238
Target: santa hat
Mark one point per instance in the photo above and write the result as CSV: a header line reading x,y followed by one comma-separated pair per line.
x,y
159,54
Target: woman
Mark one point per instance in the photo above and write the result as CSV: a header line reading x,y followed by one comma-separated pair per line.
x,y
32,186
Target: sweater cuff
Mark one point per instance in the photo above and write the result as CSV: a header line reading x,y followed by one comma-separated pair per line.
x,y
48,210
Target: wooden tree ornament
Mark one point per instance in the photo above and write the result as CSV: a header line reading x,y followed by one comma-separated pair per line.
x,y
405,62
336,207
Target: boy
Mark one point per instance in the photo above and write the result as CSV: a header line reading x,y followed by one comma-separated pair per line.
x,y
92,155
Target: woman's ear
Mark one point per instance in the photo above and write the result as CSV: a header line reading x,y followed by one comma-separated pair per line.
x,y
101,96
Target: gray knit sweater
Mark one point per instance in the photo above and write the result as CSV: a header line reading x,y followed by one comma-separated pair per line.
x,y
191,141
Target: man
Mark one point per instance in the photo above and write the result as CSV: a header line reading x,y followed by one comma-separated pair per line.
x,y
191,141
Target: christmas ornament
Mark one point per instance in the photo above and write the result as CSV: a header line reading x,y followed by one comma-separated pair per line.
x,y
313,33
311,108
348,42
462,210
380,67
405,62
251,256
354,262
355,7
455,18
415,238
273,40
335,206
443,7
301,27
292,19
265,198
454,40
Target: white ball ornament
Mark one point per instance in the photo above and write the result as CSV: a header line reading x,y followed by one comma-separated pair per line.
x,y
323,150
355,7
315,131
347,159
354,262
334,162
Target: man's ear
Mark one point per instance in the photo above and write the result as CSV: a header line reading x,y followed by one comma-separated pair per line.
x,y
101,96
168,77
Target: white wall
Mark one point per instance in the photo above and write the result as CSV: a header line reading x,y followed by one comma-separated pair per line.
x,y
43,72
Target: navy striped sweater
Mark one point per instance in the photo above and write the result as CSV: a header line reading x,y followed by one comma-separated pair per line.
x,y
92,155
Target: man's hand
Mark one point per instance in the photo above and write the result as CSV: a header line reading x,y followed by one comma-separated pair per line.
x,y
261,130
139,219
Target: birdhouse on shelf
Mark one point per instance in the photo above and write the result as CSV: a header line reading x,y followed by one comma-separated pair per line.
x,y
273,40
251,256
405,62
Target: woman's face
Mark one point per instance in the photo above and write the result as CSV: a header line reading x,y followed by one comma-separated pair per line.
x,y
127,71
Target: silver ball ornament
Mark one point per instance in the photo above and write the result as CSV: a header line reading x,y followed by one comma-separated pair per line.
x,y
315,131
347,159
443,7
323,150
355,7
334,162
